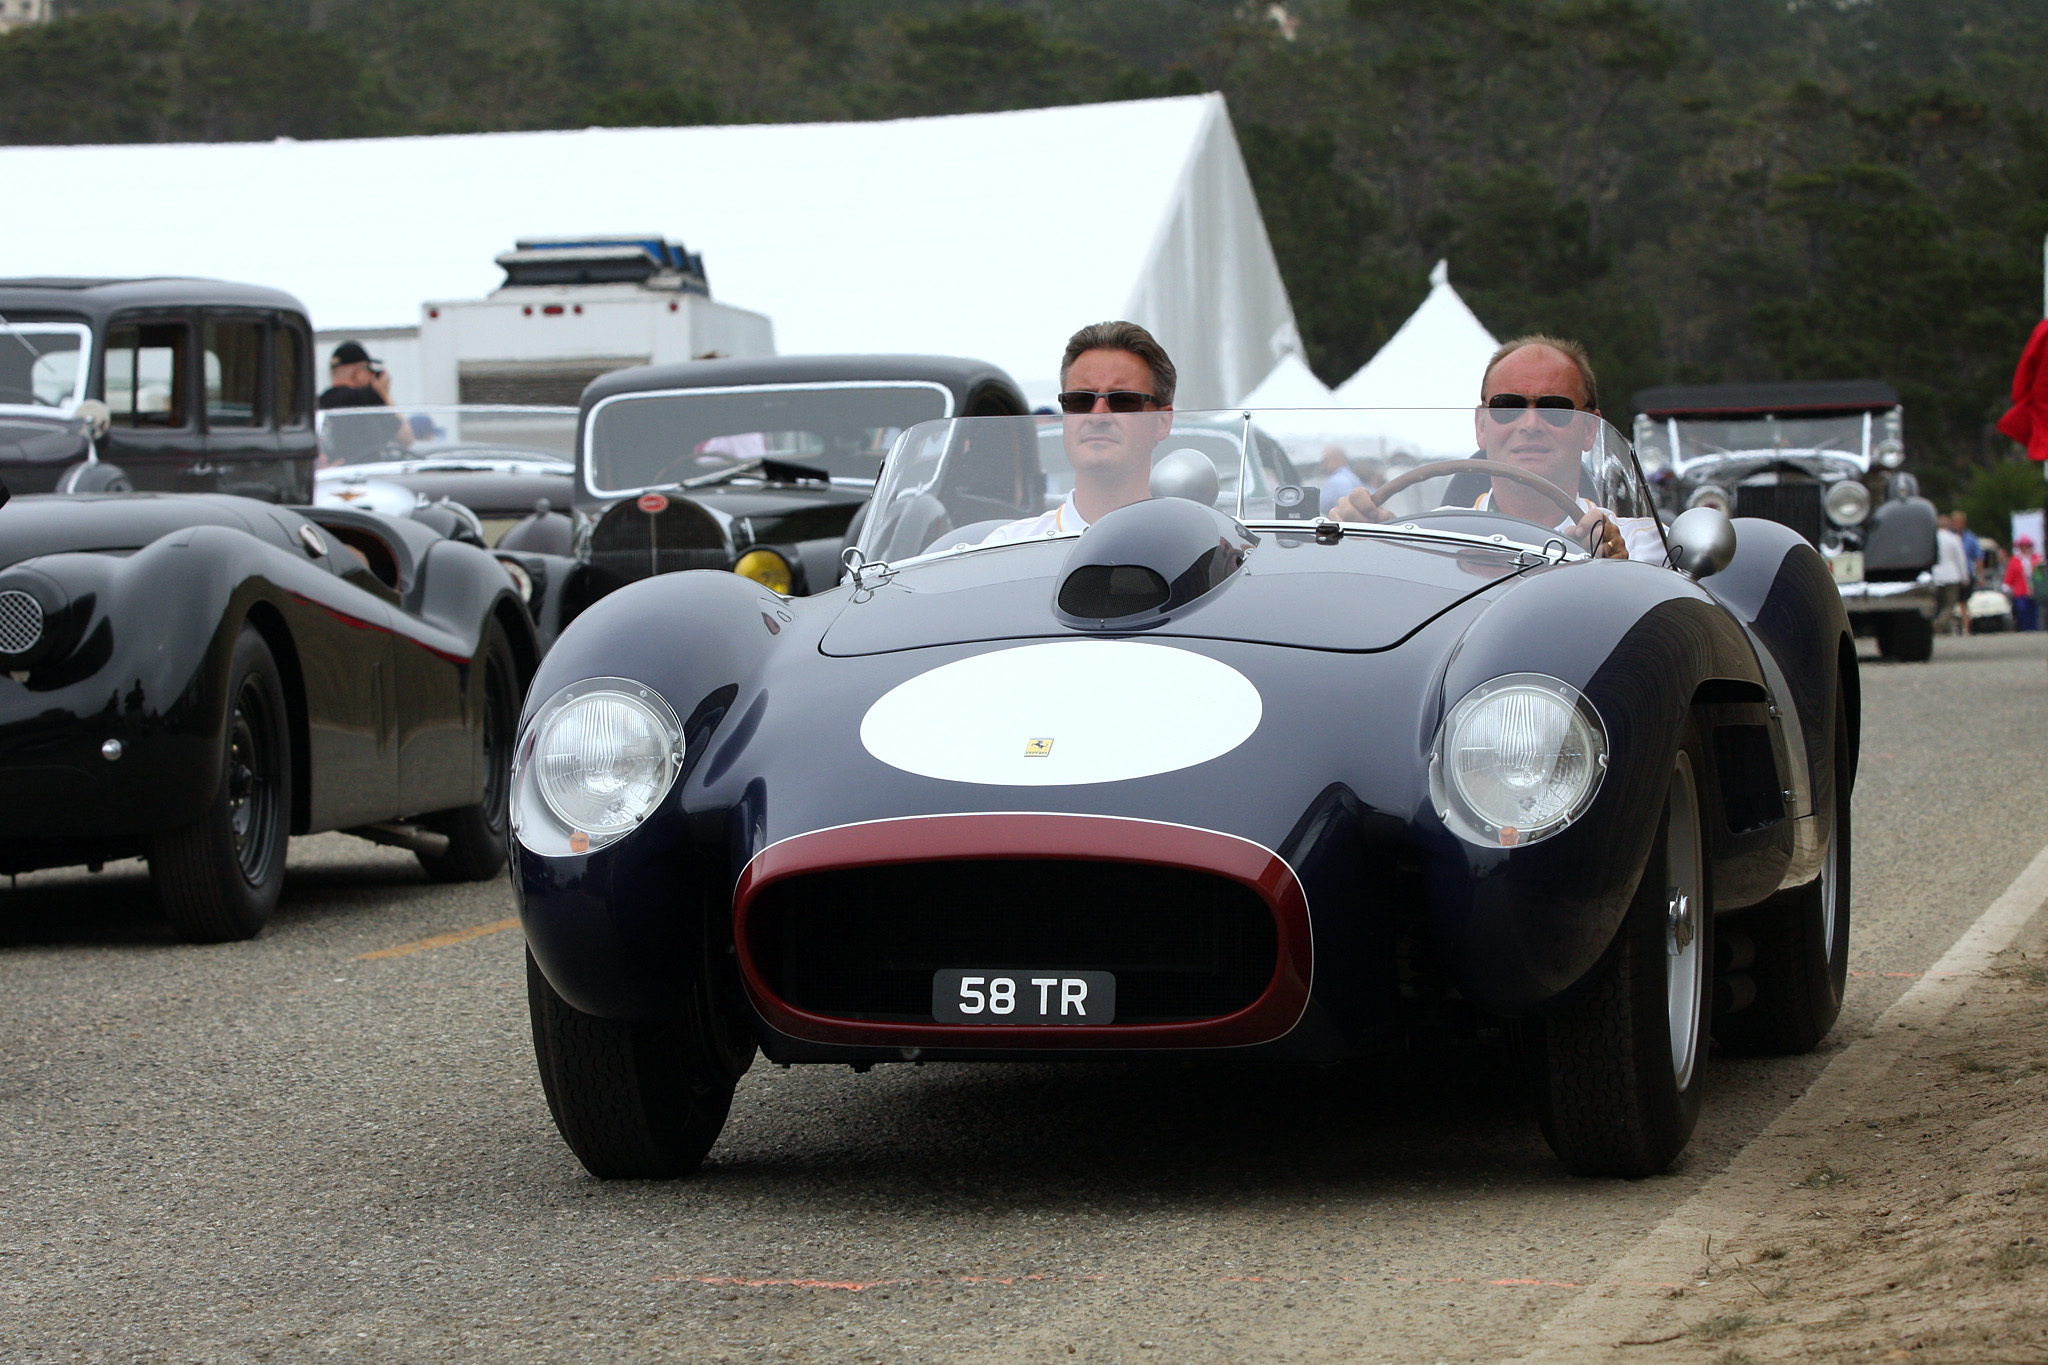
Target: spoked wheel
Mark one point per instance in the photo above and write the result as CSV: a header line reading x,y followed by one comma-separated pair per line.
x,y
477,834
1618,1072
1801,939
635,1100
218,878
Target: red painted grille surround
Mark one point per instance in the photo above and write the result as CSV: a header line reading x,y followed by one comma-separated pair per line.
x,y
1037,835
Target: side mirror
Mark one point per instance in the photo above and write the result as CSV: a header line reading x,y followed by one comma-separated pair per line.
x,y
1185,473
1702,542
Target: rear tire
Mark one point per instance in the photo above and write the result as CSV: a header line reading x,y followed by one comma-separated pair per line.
x,y
218,878
1802,943
477,835
1618,1072
634,1101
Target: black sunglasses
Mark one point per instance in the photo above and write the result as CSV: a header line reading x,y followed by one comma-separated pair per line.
x,y
1554,408
1119,400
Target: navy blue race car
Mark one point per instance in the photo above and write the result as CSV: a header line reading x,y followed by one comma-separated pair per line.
x,y
1176,773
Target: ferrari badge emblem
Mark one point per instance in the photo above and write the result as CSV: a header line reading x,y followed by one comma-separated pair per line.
x,y
1038,748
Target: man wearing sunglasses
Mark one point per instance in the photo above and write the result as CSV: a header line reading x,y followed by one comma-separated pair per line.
x,y
1538,411
1116,402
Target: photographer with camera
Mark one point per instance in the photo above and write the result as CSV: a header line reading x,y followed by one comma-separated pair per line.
x,y
358,381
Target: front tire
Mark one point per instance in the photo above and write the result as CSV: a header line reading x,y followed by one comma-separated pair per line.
x,y
218,878
634,1100
477,834
1618,1072
1802,943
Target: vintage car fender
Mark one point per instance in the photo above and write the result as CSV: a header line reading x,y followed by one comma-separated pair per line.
x,y
1898,539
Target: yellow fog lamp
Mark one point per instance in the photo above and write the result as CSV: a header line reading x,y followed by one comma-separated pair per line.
x,y
767,568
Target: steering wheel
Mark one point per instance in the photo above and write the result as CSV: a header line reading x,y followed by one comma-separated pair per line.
x,y
1497,468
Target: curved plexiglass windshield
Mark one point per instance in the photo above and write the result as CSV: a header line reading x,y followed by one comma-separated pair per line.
x,y
638,441
43,364
1529,478
449,435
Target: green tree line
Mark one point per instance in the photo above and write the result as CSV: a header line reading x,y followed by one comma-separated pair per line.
x,y
1702,190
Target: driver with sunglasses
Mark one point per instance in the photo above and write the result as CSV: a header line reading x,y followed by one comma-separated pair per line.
x,y
1117,399
1532,397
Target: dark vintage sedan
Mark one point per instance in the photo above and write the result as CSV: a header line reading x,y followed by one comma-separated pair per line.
x,y
1824,458
195,678
756,466
207,385
1199,779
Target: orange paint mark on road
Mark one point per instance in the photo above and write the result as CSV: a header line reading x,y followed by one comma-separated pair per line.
x,y
441,940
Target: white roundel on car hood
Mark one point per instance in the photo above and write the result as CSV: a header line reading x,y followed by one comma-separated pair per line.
x,y
1061,714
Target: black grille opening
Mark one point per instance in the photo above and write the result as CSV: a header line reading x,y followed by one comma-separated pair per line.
x,y
863,943
1796,505
628,544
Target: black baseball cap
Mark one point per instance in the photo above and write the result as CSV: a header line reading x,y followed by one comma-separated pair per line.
x,y
350,353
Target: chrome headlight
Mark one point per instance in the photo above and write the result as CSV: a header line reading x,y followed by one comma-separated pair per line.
x,y
1891,453
1517,760
522,581
1711,495
1848,503
592,764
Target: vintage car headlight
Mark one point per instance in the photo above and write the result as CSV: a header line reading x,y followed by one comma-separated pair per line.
x,y
592,764
1711,495
1848,503
767,568
1517,760
522,581
1891,454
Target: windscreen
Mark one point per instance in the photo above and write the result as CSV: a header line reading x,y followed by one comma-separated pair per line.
x,y
652,440
1528,477
1706,438
448,434
43,364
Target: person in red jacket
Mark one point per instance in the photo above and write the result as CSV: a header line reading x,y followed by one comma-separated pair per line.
x,y
2019,582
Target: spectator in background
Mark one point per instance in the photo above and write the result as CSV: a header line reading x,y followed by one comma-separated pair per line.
x,y
1338,478
1951,577
1972,550
357,381
2019,583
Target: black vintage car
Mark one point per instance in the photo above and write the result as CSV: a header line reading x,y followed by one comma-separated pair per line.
x,y
194,678
1199,780
1823,458
208,385
758,466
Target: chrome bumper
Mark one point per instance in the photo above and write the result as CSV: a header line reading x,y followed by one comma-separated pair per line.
x,y
1917,595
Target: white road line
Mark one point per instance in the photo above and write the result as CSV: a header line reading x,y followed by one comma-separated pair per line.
x,y
1615,1306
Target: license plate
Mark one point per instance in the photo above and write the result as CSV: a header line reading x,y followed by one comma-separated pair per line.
x,y
1847,566
995,995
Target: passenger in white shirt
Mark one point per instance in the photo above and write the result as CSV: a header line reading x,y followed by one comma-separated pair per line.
x,y
1538,411
1117,396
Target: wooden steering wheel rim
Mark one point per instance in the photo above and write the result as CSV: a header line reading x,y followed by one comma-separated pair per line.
x,y
1542,485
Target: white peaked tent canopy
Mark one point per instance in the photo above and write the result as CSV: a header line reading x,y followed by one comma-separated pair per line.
x,y
975,235
1436,360
1296,401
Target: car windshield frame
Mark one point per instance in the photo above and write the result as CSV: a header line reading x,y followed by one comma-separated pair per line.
x,y
916,467
587,432
18,336
1682,436
451,417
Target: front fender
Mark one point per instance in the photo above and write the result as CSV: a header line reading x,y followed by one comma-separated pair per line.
x,y
615,931
1519,927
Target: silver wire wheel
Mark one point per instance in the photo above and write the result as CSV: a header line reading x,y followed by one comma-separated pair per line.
x,y
1685,970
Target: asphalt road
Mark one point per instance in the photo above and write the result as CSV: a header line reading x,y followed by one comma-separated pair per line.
x,y
286,1150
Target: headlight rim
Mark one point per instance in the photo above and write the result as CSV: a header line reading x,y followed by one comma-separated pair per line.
x,y
1450,802
788,570
1711,495
537,821
1852,491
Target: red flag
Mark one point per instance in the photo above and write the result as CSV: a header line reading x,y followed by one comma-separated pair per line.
x,y
2027,421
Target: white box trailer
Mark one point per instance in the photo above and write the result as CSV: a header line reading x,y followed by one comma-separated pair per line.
x,y
569,311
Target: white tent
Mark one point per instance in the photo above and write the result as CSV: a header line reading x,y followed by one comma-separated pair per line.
x,y
989,235
1436,360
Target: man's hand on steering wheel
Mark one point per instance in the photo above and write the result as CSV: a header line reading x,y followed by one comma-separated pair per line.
x,y
1358,505
1597,531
